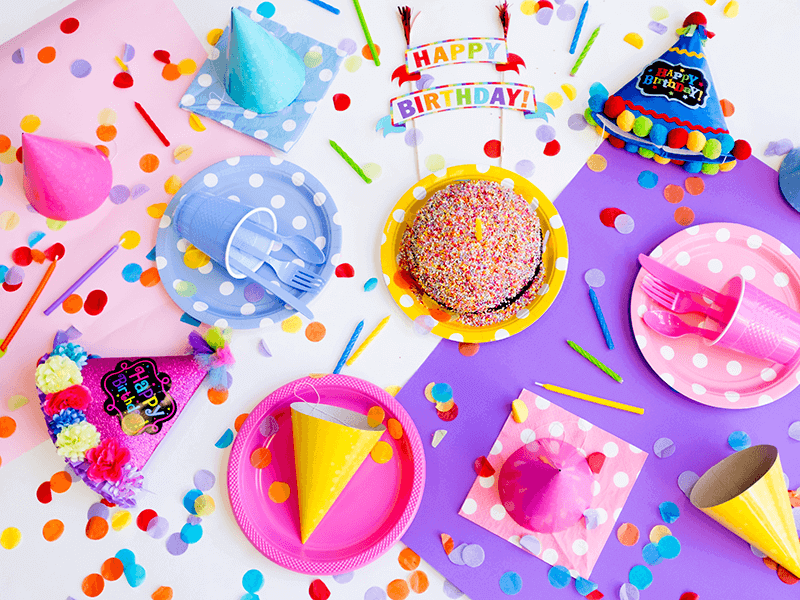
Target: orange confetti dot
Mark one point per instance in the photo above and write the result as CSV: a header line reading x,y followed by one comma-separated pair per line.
x,y
408,559
60,482
367,53
103,149
239,421
5,143
187,66
37,256
439,315
212,37
418,582
96,528
403,280
447,543
694,185
771,564
72,304
628,534
162,593
30,123
93,585
170,72
172,184
727,107
217,396
106,133
150,277
397,590
673,193
148,163
786,577
112,569
375,416
7,427
52,530
684,216
260,458
468,349
279,492
157,210
47,54
315,331
395,428
382,453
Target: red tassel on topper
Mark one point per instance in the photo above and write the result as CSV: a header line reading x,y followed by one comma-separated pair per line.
x,y
504,17
405,18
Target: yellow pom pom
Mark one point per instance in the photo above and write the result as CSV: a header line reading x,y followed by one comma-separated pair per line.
x,y
727,166
662,160
601,131
696,141
625,121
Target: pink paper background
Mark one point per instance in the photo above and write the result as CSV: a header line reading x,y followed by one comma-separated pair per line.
x,y
575,548
137,320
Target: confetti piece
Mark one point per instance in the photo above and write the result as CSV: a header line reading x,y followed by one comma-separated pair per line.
x,y
195,123
157,528
669,512
112,569
187,66
96,528
510,583
779,148
609,215
569,91
584,586
634,39
624,223
770,564
252,581
93,585
591,518
628,534
651,556
552,148
175,545
261,458
596,461
418,582
226,439
531,544
658,532
408,559
182,153
162,593
191,534
739,440
727,107
694,185
673,193
395,428
483,467
641,577
139,190
441,392
468,348
447,543
237,424
144,518
519,410
120,520
22,256
594,278
123,80
345,270
786,577
473,555
44,493
204,480
669,547
8,220
628,592
456,556
56,251
204,506
664,447
647,179
279,492
438,436
794,431
19,56
731,9
60,482
189,498
397,590
95,302
52,530
450,415
381,453
684,216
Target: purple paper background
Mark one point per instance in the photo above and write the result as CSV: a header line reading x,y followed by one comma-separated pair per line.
x,y
714,562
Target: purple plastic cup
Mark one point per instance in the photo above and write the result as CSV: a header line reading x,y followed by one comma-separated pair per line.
x,y
760,325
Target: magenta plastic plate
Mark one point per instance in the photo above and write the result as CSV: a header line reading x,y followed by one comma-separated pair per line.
x,y
371,514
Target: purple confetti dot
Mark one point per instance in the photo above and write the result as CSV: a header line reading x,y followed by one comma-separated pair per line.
x,y
659,28
128,53
175,545
269,426
794,431
473,555
263,349
204,480
119,194
531,544
375,593
193,520
457,555
97,510
559,1
413,137
73,334
591,515
594,278
425,82
80,68
19,56
344,577
229,380
253,292
347,46
31,209
566,12
525,168
138,190
624,223
664,447
544,15
451,591
15,275
423,324
778,148
545,133
157,528
577,122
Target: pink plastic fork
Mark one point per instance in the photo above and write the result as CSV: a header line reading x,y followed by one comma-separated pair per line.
x,y
677,300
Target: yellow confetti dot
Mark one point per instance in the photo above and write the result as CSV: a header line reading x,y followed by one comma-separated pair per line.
x,y
195,123
372,170
9,156
519,410
554,100
17,401
634,39
120,520
292,324
711,2
279,492
317,375
597,163
182,152
434,162
204,505
157,210
429,392
658,532
353,63
30,123
187,66
130,239
10,538
312,59
570,91
731,9
659,13
395,428
195,258
392,390
55,225
212,37
528,7
375,416
8,220
445,406
107,116
173,184
382,453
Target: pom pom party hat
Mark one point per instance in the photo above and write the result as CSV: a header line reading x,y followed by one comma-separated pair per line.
x,y
64,180
264,74
107,416
670,111
330,444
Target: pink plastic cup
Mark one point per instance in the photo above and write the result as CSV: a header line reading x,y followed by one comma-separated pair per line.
x,y
760,325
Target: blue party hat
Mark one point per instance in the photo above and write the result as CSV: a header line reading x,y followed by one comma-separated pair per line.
x,y
264,75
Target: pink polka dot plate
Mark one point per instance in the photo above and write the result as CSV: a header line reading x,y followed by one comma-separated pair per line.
x,y
711,254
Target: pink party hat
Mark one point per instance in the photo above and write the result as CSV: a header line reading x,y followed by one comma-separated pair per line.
x,y
64,180
546,485
107,416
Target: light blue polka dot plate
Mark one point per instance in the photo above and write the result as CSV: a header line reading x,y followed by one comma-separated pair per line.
x,y
301,205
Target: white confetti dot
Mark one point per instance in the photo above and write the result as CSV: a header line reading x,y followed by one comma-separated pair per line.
x,y
406,301
187,100
781,279
556,429
668,378
595,488
213,104
698,389
325,75
610,449
204,80
233,160
700,360
256,180
785,250
260,134
732,396
527,436
715,265
748,272
299,222
165,222
498,512
497,448
469,507
734,367
289,125
561,263
768,374
682,258
486,482
549,556
200,306
298,178
419,192
621,479
399,215
501,334
723,234
247,309
754,241
541,403
580,547
226,288
310,107
624,223
210,180
641,341
161,262
584,425
667,352
556,222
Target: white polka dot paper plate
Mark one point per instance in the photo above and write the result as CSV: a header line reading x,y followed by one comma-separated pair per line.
x,y
301,206
427,313
711,254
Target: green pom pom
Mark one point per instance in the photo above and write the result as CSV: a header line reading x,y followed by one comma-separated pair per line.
x,y
642,126
646,152
712,149
710,168
589,119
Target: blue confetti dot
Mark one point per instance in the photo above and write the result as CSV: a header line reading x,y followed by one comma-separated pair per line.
x,y
80,68
584,586
190,497
249,596
641,577
152,254
131,272
511,583
375,593
135,574
668,547
651,555
3,271
191,534
126,557
253,580
35,237
559,577
648,179
225,441
598,89
669,512
442,392
266,9
371,284
739,440
187,318
1,180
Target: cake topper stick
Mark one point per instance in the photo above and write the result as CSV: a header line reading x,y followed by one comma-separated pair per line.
x,y
28,307
407,21
370,43
505,18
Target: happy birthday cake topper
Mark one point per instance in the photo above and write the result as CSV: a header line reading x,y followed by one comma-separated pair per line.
x,y
456,52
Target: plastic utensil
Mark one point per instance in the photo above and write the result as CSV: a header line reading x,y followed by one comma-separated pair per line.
x,y
677,300
672,277
671,325
293,275
302,246
271,287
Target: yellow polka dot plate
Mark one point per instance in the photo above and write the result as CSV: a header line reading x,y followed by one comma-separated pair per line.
x,y
402,216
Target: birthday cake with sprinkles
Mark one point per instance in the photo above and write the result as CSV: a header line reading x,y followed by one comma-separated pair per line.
x,y
475,248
